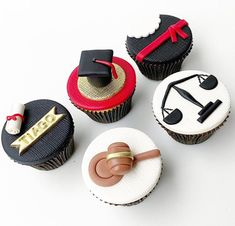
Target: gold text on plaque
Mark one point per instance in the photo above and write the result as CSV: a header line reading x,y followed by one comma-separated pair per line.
x,y
37,131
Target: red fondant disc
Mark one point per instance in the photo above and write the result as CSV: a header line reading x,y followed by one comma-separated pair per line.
x,y
82,102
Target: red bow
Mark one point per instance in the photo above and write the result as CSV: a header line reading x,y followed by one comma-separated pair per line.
x,y
14,117
171,32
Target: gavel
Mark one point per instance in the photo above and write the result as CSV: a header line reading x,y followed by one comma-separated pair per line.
x,y
108,168
120,159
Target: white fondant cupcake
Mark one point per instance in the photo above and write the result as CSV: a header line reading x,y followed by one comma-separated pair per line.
x,y
191,105
112,153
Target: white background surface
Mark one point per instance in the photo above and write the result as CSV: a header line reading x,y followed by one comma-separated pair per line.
x,y
40,44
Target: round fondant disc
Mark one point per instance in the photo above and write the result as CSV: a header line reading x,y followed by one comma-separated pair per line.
x,y
189,123
50,144
139,181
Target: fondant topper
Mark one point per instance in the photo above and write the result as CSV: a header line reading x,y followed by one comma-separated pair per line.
x,y
14,121
170,33
151,24
39,129
97,66
207,82
108,168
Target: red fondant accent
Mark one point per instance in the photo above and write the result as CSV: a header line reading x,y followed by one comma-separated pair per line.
x,y
14,117
171,32
82,102
109,65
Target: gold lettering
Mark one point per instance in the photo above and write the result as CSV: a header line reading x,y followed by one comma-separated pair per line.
x,y
39,129
23,139
50,118
42,125
30,136
35,131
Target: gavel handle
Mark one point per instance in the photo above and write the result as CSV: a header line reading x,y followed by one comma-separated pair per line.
x,y
147,155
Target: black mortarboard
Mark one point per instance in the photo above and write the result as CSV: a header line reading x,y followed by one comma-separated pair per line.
x,y
97,74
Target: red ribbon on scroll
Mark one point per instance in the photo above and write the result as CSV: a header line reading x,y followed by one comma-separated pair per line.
x,y
14,117
171,32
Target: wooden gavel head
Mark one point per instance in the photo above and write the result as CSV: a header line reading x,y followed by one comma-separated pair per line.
x,y
120,159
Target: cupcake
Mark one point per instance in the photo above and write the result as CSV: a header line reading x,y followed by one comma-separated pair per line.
x,y
39,134
122,166
161,51
102,86
191,105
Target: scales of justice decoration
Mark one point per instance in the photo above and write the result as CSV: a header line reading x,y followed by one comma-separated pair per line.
x,y
174,116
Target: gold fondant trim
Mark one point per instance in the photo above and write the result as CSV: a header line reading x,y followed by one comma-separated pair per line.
x,y
39,129
102,93
119,155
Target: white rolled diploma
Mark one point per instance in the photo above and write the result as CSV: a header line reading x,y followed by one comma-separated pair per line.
x,y
13,126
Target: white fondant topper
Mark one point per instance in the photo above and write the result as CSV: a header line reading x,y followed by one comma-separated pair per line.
x,y
137,183
14,120
144,28
191,102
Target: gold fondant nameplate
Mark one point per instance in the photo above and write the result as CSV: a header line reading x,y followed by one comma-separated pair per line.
x,y
39,129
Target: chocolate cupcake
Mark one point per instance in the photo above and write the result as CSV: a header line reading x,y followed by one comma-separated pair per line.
x,y
102,85
191,106
122,166
39,134
162,52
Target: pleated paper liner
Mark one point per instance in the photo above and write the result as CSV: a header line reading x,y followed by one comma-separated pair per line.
x,y
135,202
192,139
59,159
111,115
159,71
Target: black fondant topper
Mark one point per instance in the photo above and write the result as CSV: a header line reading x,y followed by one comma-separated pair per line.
x,y
207,82
97,66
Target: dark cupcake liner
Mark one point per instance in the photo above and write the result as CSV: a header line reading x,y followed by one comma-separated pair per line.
x,y
58,160
192,139
159,71
112,115
131,203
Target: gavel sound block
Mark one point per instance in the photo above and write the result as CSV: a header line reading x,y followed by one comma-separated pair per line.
x,y
108,168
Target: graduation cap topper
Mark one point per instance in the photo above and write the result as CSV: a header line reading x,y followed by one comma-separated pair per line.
x,y
97,66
